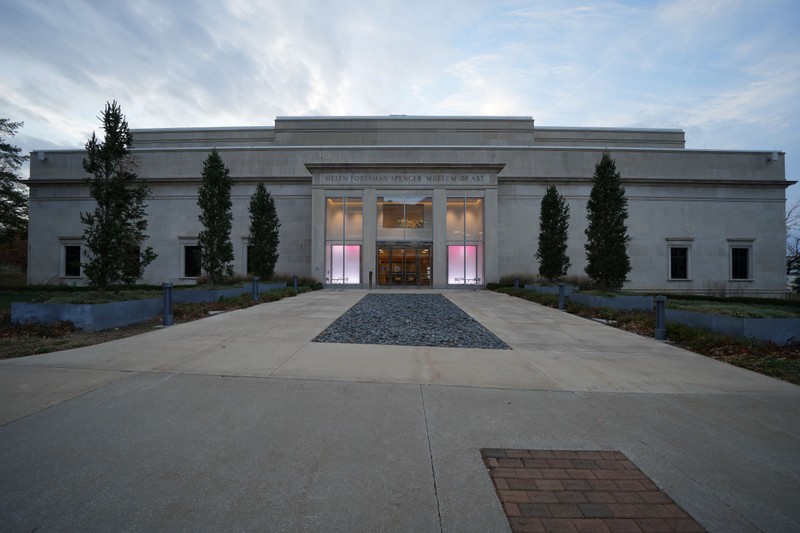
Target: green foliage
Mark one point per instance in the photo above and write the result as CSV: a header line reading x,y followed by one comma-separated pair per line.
x,y
264,234
507,280
607,210
548,300
13,193
737,309
214,199
553,235
116,229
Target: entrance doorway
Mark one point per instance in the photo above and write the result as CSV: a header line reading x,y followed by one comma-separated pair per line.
x,y
404,264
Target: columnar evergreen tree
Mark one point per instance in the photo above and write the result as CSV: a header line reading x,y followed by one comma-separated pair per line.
x,y
13,197
264,236
607,210
116,229
214,199
553,234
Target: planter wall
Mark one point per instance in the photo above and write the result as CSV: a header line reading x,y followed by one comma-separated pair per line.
x,y
88,317
97,317
551,289
778,330
201,296
621,303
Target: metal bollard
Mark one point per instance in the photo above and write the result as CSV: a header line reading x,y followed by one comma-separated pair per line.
x,y
561,294
167,319
255,289
661,318
516,282
294,283
370,280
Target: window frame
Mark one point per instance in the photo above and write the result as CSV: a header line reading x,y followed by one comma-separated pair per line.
x,y
678,243
740,244
184,243
70,242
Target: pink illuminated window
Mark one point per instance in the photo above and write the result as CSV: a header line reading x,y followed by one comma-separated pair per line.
x,y
465,264
344,261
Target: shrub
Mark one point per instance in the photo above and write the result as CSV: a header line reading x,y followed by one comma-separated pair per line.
x,y
287,278
524,278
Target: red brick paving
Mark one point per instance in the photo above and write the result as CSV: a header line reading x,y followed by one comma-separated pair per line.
x,y
581,491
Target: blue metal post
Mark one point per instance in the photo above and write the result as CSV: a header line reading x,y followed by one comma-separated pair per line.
x,y
294,283
661,318
255,288
168,319
516,282
561,294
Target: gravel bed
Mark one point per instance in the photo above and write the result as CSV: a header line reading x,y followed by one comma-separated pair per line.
x,y
410,320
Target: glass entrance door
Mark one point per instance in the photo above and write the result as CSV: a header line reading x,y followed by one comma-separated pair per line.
x,y
404,264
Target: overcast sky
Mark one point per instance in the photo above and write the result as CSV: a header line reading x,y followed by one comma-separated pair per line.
x,y
726,71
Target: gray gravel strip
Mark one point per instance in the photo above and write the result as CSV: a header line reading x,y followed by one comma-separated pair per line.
x,y
410,320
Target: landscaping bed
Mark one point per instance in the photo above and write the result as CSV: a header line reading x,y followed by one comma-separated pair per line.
x,y
17,340
764,357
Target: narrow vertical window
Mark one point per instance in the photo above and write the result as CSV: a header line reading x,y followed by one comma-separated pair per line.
x,y
679,262
191,263
72,261
740,263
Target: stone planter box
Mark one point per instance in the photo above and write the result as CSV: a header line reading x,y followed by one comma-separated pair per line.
x,y
88,317
200,296
777,330
621,303
97,317
551,289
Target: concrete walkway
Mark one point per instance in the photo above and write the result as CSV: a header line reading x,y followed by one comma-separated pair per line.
x,y
239,422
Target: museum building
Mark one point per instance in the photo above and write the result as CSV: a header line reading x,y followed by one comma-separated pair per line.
x,y
435,202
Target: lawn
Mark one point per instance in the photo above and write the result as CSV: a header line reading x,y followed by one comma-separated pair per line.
x,y
736,308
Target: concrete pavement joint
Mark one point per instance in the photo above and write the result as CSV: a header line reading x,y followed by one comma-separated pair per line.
x,y
430,451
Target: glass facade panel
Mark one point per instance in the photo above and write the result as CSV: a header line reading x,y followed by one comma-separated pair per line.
x,y
334,219
455,219
473,219
344,264
405,218
404,264
354,221
344,223
465,264
465,241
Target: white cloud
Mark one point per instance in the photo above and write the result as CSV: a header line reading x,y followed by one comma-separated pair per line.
x,y
717,68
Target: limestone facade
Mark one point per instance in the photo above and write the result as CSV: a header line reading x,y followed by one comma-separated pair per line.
x,y
437,202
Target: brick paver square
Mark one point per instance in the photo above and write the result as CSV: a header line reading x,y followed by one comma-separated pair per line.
x,y
580,491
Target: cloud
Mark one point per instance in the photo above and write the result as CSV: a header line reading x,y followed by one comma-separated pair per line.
x,y
724,70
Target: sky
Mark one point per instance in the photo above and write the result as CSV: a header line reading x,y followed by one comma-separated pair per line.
x,y
727,72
